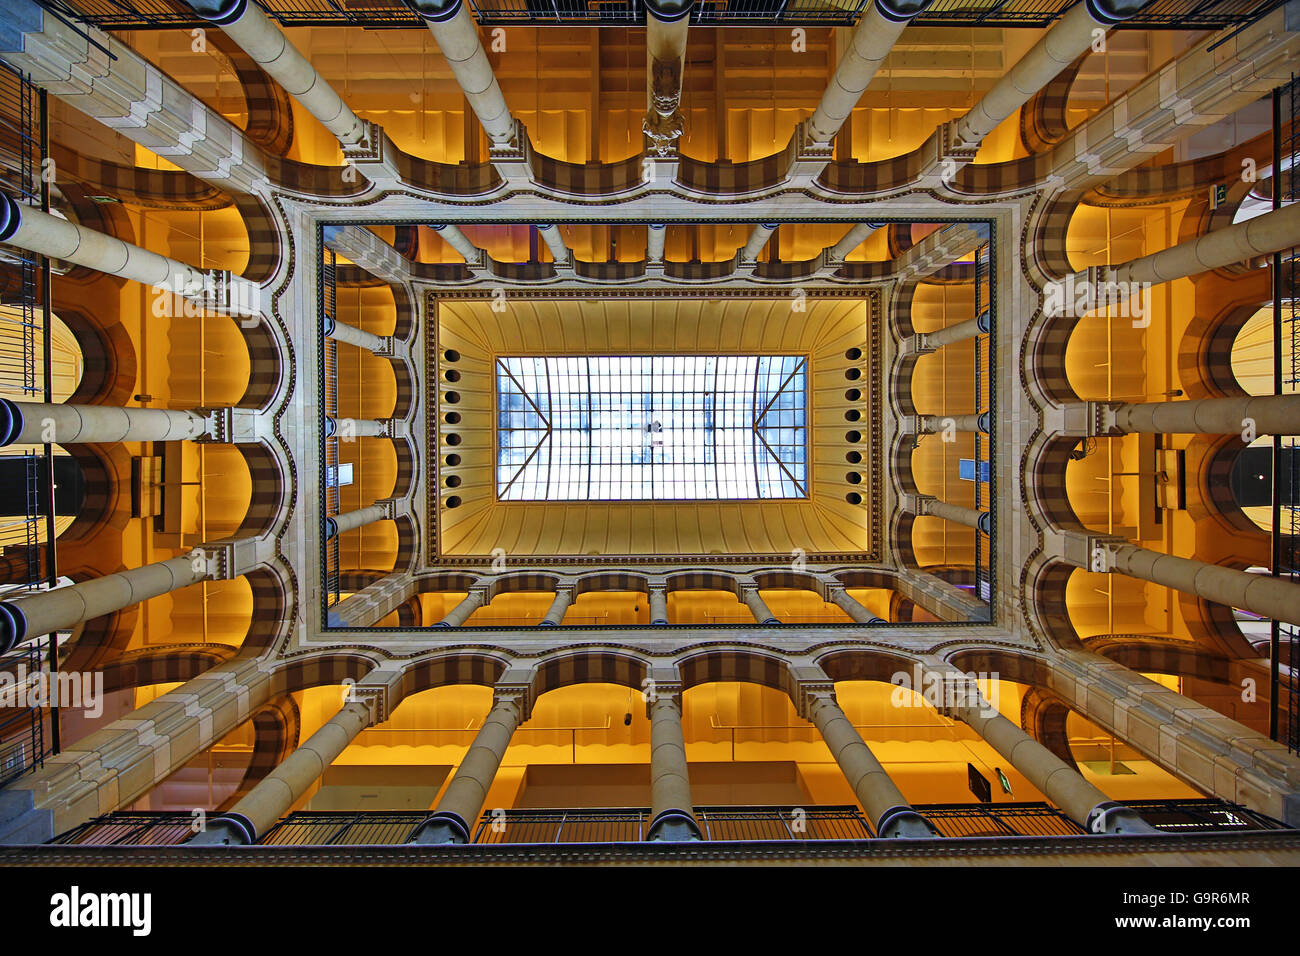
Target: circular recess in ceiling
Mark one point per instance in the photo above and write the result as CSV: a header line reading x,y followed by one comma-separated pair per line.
x,y
452,461
853,437
452,481
852,395
451,375
854,478
853,374
453,439
452,418
451,398
853,457
853,498
852,415
853,354
452,501
451,355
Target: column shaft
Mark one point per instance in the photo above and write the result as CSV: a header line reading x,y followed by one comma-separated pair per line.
x,y
877,31
343,332
48,235
757,240
555,242
970,517
262,40
1055,779
959,332
342,428
672,816
271,799
658,605
1270,597
933,424
1272,232
1070,36
26,423
883,802
852,239
461,612
656,235
853,607
42,612
354,519
757,606
1270,415
555,615
457,36
459,241
457,813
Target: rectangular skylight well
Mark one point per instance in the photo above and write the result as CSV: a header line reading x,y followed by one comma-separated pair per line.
x,y
651,427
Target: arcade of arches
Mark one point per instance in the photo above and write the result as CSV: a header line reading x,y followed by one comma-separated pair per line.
x,y
289,556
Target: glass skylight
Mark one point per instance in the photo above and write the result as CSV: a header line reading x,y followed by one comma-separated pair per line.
x,y
651,427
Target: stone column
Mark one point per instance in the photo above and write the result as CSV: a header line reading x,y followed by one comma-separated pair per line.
x,y
851,606
757,606
933,424
959,332
256,35
672,815
355,519
656,235
457,812
554,616
852,239
343,332
343,428
32,423
555,242
1266,415
475,599
454,29
1276,598
889,811
44,234
877,31
658,595
1060,46
61,609
757,240
460,242
260,809
1272,232
667,24
1055,779
971,517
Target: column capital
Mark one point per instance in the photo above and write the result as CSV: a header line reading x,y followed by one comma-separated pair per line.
x,y
396,427
943,155
1081,419
806,158
234,426
513,158
811,684
918,505
233,557
515,688
1086,549
374,155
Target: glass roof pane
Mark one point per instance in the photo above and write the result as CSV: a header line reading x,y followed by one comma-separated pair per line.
x,y
651,427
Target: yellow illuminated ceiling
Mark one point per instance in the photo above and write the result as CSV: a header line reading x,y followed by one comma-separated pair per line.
x,y
825,330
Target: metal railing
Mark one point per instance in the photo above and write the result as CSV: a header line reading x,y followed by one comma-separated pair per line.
x,y
983,444
24,741
330,386
393,14
602,825
1287,528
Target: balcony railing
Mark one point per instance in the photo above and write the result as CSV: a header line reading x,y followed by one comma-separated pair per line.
x,y
394,14
628,825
